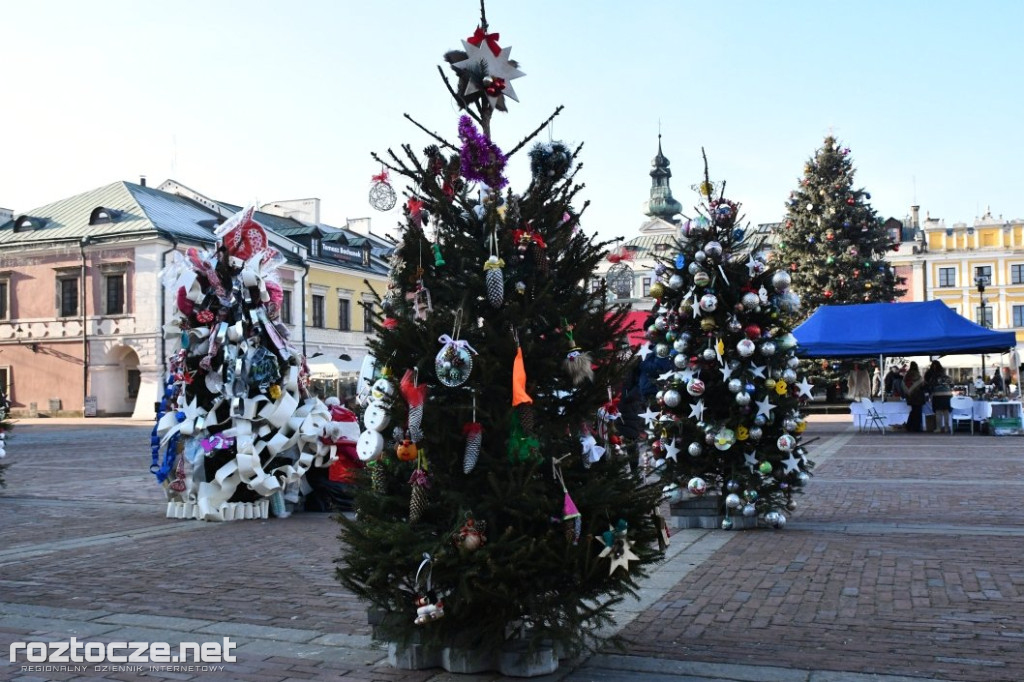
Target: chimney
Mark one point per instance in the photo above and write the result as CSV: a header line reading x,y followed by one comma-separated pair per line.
x,y
142,180
915,214
5,215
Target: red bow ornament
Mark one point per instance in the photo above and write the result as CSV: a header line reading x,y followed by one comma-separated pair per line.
x,y
480,37
243,237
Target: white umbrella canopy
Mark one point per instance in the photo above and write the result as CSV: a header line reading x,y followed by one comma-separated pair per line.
x,y
333,368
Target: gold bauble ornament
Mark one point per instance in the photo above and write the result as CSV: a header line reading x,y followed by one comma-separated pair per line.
x,y
707,324
657,290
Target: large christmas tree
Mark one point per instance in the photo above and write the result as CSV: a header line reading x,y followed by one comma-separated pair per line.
x,y
833,245
832,242
499,505
725,419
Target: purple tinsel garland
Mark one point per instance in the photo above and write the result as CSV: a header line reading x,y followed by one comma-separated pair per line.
x,y
481,158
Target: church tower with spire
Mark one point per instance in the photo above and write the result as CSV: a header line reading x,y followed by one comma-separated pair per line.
x,y
661,204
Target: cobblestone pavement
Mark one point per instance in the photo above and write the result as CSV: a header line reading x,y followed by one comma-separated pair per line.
x,y
902,563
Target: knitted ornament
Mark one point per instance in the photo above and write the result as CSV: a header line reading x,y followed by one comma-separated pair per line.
x,y
420,483
474,438
495,280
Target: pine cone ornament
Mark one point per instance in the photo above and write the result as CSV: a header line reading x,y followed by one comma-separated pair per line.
x,y
474,438
418,501
378,481
494,277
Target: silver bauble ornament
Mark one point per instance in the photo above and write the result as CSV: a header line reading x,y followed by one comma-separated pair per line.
x,y
681,345
733,501
755,433
778,521
749,510
793,362
781,280
709,354
789,425
680,361
713,250
675,282
672,398
662,350
771,518
791,505
700,257
727,523
802,479
732,486
750,301
742,398
694,449
735,385
693,268
745,347
660,323
768,348
733,324
789,376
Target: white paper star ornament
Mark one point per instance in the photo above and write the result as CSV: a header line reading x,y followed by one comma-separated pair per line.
x,y
481,63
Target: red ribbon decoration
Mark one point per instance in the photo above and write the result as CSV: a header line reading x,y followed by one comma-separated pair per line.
x,y
492,40
415,206
381,177
521,236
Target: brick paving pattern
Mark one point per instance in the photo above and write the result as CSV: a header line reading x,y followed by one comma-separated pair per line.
x,y
905,558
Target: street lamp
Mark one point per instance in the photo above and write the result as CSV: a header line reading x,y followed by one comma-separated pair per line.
x,y
979,280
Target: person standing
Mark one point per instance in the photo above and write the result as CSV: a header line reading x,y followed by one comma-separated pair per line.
x,y
876,383
913,382
941,387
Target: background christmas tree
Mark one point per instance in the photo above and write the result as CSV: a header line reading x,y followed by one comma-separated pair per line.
x,y
498,503
833,244
726,418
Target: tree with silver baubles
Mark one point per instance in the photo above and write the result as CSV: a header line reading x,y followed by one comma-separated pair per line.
x,y
726,418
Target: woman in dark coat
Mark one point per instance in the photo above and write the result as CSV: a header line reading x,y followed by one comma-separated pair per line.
x,y
916,397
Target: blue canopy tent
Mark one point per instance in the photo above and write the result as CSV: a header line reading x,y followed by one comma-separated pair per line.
x,y
874,329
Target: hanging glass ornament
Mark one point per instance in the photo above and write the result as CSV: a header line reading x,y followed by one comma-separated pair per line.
x,y
750,300
661,350
701,278
734,385
675,282
733,501
756,433
697,486
750,510
681,344
781,280
743,399
454,361
695,449
713,250
768,348
708,303
695,387
672,398
785,443
745,347
382,194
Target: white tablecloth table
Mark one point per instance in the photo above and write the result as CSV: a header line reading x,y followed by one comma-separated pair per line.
x,y
895,412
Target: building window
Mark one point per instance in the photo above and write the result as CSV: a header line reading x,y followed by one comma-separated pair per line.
x,y
1017,274
947,277
5,385
595,285
67,297
647,286
5,308
983,272
1018,316
344,314
318,311
314,247
114,286
286,306
367,316
134,381
984,315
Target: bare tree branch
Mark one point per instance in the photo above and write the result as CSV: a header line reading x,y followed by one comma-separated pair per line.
x,y
535,132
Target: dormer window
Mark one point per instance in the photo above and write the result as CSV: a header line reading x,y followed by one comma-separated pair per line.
x,y
26,223
314,247
102,215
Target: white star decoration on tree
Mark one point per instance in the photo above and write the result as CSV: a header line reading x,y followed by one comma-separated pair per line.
x,y
726,371
480,58
750,460
764,407
644,351
620,551
649,416
757,370
671,450
805,387
697,409
791,463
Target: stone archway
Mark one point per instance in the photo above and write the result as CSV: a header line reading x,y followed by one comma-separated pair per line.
x,y
115,381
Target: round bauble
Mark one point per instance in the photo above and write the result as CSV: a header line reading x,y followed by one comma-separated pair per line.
x,y
760,420
672,398
789,376
781,280
681,344
694,268
789,425
732,486
697,486
750,510
657,290
734,385
708,324
662,350
695,449
713,250
708,303
709,354
701,278
750,301
727,524
733,501
695,387
660,323
802,479
793,362
768,348
752,331
733,324
765,468
745,347
675,282
700,257
750,495
777,521
680,361
791,505
742,398
756,433
785,443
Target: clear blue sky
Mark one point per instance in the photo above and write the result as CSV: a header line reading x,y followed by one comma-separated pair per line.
x,y
276,99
